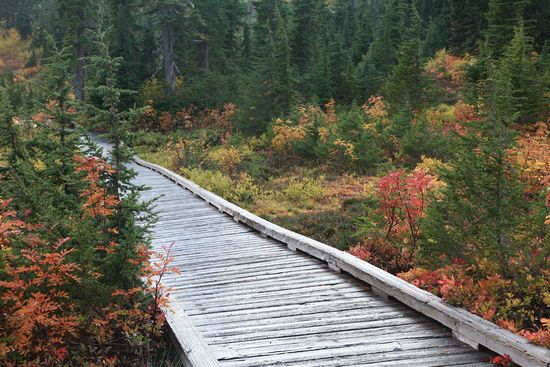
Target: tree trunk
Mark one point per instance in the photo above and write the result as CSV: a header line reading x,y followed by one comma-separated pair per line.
x,y
169,58
80,63
206,61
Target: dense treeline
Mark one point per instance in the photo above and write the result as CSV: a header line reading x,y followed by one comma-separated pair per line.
x,y
265,56
413,133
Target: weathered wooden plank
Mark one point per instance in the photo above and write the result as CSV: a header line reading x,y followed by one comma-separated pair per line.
x,y
311,309
339,340
201,308
365,351
384,314
241,296
448,356
251,279
294,284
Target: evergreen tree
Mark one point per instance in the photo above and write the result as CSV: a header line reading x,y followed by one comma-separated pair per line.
x,y
404,85
282,87
41,176
520,89
502,17
74,16
437,26
467,18
382,55
304,30
320,77
167,14
124,38
246,46
129,212
481,207
342,83
269,89
364,31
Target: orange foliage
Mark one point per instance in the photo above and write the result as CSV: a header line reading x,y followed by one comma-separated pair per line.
x,y
98,202
488,295
10,227
376,108
40,323
165,122
448,70
286,133
345,147
532,155
40,319
466,113
381,253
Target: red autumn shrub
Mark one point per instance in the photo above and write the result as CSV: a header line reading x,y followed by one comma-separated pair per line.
x,y
403,200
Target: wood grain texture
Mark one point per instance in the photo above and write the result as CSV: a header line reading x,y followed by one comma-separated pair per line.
x,y
256,303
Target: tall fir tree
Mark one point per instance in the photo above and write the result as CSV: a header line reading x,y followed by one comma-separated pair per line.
x,y
130,212
378,63
404,85
520,90
304,29
74,16
282,82
481,210
467,18
167,15
502,17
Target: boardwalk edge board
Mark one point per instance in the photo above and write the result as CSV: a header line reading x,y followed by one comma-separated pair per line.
x,y
467,327
190,345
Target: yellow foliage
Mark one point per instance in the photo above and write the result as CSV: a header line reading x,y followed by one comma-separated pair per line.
x,y
377,113
225,157
14,52
286,133
347,147
38,164
305,190
431,166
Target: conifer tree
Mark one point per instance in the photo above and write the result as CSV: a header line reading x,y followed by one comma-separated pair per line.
x,y
246,46
502,17
342,83
167,14
363,32
304,30
9,131
481,208
404,85
129,210
124,36
467,18
42,176
282,86
520,90
75,14
382,54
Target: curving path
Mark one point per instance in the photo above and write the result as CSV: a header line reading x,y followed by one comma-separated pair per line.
x,y
255,302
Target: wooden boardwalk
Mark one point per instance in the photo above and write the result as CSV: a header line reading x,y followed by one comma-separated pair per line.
x,y
255,302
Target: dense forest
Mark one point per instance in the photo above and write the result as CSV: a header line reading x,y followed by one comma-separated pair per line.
x,y
412,133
